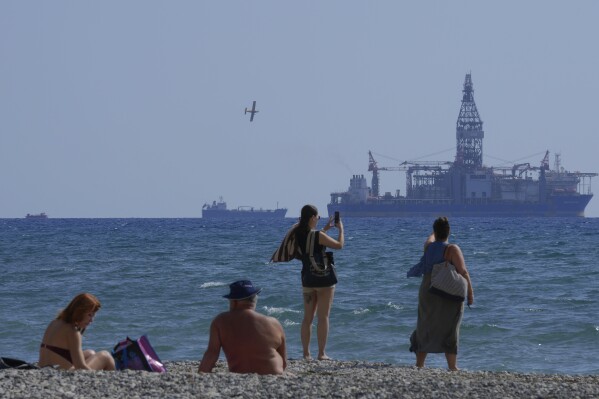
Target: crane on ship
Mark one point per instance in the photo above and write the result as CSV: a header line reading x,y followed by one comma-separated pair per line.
x,y
523,167
545,161
407,166
374,168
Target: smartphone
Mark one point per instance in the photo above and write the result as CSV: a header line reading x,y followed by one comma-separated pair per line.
x,y
336,217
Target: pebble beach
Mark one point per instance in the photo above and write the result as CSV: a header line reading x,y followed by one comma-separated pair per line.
x,y
338,379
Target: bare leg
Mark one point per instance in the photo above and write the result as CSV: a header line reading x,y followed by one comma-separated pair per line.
x,y
452,361
309,311
420,358
325,300
88,353
101,361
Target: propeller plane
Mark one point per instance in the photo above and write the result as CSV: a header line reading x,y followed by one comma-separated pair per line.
x,y
252,111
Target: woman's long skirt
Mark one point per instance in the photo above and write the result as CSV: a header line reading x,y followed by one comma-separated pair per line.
x,y
438,327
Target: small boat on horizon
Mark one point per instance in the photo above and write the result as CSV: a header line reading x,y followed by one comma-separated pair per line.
x,y
36,216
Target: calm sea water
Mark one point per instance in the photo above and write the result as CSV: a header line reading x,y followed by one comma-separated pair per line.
x,y
536,286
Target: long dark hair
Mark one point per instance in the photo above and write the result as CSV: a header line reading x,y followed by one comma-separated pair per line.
x,y
303,228
307,212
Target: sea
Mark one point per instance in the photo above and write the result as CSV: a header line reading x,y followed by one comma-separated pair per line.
x,y
536,286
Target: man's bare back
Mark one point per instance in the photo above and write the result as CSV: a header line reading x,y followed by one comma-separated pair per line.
x,y
252,342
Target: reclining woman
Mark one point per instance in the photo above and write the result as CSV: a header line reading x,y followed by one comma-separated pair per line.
x,y
61,345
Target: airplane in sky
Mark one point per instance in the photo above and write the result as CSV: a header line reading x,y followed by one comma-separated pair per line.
x,y
252,111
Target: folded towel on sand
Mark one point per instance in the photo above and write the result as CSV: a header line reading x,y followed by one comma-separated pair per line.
x,y
10,363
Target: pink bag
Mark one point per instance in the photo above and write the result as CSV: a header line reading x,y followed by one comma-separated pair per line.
x,y
137,355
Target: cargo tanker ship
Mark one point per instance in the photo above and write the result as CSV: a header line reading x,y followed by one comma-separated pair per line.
x,y
467,188
218,210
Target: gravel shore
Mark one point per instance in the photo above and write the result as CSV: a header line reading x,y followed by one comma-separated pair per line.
x,y
308,379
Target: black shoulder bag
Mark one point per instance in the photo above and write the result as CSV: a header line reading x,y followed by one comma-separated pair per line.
x,y
318,269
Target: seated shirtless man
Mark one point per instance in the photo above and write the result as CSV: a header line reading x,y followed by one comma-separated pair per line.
x,y
252,342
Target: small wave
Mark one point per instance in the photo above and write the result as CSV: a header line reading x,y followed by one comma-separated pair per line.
x,y
533,310
270,310
361,311
271,263
289,323
493,326
394,306
555,255
596,328
575,301
507,269
211,284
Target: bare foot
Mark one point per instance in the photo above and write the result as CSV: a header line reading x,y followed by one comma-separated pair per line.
x,y
307,357
324,357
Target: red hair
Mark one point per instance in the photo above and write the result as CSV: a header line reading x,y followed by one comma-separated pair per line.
x,y
78,307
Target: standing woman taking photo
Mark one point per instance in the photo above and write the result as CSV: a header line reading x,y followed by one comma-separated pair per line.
x,y
318,276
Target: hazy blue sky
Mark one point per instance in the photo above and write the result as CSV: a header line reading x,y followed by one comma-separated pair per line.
x,y
135,108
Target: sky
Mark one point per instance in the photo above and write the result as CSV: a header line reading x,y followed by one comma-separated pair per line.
x,y
136,108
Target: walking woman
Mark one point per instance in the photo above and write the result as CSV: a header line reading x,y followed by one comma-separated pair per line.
x,y
438,326
61,344
318,292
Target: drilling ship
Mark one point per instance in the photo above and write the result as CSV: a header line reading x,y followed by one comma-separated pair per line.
x,y
467,188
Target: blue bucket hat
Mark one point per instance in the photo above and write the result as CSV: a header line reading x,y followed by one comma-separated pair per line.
x,y
242,289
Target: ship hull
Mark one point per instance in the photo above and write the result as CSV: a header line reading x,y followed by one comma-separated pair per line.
x,y
556,206
39,216
243,214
